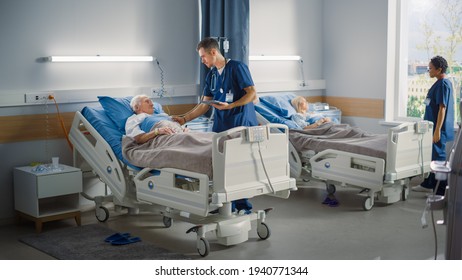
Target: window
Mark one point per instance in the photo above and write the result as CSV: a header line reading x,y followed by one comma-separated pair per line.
x,y
419,30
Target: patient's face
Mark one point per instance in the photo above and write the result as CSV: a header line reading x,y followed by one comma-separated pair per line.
x,y
303,106
146,106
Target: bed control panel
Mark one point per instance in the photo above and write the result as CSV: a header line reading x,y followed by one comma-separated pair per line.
x,y
256,133
422,127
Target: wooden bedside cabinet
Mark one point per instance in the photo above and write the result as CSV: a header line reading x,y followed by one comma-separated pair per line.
x,y
47,195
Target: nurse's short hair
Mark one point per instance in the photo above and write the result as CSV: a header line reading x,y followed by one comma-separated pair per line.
x,y
440,62
208,44
135,103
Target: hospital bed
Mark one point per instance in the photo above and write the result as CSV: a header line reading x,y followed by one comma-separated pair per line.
x,y
380,165
253,162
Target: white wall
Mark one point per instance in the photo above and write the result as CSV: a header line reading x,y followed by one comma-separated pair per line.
x,y
30,29
289,27
355,52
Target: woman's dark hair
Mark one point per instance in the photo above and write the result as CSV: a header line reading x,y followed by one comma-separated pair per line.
x,y
439,62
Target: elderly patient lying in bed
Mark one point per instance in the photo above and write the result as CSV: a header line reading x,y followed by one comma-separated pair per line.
x,y
144,115
305,119
155,141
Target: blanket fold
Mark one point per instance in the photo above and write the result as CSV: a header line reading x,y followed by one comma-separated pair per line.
x,y
340,137
186,151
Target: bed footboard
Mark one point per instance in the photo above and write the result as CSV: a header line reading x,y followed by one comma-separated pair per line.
x,y
409,150
251,161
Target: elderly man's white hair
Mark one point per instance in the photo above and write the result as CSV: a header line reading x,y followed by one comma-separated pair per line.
x,y
135,103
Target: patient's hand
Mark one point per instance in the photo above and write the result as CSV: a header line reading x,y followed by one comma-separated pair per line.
x,y
166,131
323,120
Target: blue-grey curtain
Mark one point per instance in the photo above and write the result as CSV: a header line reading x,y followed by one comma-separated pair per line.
x,y
230,19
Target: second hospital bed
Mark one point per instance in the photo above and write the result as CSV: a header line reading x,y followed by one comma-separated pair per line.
x,y
381,165
246,162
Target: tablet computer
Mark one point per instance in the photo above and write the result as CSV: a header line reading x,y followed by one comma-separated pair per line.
x,y
209,102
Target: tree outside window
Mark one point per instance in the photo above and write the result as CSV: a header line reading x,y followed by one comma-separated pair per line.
x,y
435,28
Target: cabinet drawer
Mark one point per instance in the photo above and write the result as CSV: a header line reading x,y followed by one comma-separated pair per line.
x,y
59,184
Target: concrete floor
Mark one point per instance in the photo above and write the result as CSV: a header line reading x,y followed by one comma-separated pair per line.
x,y
301,229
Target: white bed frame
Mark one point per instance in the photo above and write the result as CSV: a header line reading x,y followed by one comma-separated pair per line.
x,y
238,173
409,150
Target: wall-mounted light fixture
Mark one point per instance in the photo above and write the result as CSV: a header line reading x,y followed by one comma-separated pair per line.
x,y
274,57
99,58
282,58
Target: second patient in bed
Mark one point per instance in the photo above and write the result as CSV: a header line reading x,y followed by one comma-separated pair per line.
x,y
305,119
144,112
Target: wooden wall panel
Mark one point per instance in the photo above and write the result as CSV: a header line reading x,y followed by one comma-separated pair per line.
x,y
358,107
47,126
33,127
179,109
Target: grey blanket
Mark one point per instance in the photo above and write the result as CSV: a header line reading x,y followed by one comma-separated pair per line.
x,y
186,151
340,137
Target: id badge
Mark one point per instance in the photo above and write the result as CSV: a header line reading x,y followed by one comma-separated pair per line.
x,y
427,101
229,97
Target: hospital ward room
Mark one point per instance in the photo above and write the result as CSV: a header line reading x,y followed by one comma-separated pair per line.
x,y
272,133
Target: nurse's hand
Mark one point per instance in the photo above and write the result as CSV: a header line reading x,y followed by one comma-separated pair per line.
x,y
180,120
223,106
436,136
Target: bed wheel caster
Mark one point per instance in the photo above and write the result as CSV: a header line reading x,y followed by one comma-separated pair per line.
x,y
203,247
194,229
368,203
263,231
404,194
330,188
101,213
167,221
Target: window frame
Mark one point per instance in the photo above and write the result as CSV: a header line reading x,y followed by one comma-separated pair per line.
x,y
397,63
397,48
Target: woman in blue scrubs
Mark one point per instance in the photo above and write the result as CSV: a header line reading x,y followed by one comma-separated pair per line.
x,y
230,85
439,110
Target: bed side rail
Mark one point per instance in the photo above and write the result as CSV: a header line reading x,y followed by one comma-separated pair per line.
x,y
255,161
98,154
164,189
409,150
348,168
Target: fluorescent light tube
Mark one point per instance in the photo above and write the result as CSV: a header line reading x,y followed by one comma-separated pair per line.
x,y
274,57
98,58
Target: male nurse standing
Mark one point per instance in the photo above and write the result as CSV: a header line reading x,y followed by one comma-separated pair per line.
x,y
230,84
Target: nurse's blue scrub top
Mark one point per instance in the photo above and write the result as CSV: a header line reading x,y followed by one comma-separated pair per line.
x,y
235,77
441,93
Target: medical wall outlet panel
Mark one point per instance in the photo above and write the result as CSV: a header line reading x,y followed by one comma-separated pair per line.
x,y
40,98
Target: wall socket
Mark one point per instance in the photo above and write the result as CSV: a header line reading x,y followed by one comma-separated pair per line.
x,y
156,91
39,98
